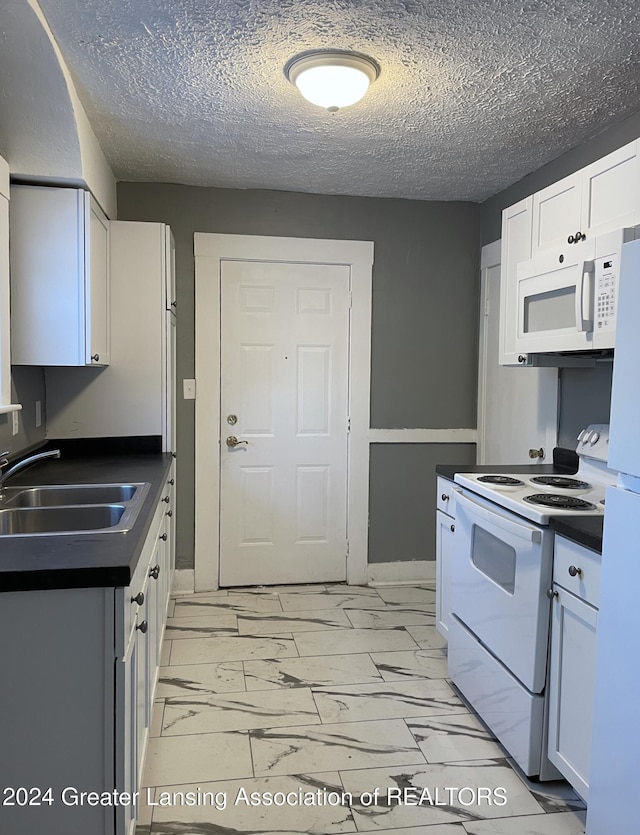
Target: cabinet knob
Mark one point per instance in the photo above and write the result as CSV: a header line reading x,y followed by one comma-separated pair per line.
x,y
143,627
570,239
551,593
171,481
166,499
169,513
174,454
155,572
574,571
579,236
174,304
163,537
561,258
453,527
139,598
522,358
95,357
444,497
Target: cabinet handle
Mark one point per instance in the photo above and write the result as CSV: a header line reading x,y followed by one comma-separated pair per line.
x,y
522,358
163,537
551,594
166,499
570,239
444,497
139,598
453,527
575,571
95,357
169,513
155,572
171,481
143,627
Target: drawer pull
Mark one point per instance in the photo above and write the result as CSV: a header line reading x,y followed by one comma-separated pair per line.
x,y
574,571
444,497
551,594
155,572
143,626
139,598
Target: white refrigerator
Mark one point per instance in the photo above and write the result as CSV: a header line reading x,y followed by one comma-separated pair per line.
x,y
615,753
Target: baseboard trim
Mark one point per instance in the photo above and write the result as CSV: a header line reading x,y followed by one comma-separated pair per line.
x,y
399,573
184,581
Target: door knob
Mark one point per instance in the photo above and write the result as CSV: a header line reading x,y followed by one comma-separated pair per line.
x,y
232,442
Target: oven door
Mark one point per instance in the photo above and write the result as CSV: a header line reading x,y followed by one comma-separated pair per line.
x,y
500,574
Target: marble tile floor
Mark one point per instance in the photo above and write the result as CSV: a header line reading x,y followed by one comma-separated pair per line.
x,y
326,709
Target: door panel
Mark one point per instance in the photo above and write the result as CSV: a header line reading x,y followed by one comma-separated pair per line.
x,y
284,396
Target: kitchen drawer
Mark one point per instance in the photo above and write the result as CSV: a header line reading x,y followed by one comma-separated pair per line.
x,y
586,583
446,501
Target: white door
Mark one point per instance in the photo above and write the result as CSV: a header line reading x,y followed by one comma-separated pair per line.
x,y
517,406
284,397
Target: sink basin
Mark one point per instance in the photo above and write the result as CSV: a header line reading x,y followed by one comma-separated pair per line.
x,y
53,510
74,494
50,520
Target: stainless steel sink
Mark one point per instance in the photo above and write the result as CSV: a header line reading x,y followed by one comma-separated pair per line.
x,y
72,494
52,520
52,510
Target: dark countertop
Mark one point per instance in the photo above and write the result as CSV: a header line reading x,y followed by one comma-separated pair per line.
x,y
584,530
84,560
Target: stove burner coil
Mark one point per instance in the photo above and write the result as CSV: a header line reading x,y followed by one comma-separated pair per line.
x,y
561,482
559,502
503,480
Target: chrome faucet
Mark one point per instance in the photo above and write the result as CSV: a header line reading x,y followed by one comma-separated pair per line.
x,y
26,462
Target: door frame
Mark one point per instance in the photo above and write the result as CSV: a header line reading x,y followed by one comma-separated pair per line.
x,y
210,250
490,257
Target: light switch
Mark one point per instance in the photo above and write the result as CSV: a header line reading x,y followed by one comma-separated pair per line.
x,y
189,389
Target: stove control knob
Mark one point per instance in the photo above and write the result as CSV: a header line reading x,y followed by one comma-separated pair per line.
x,y
586,437
595,437
581,435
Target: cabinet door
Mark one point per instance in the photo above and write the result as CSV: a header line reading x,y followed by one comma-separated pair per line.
x,y
445,529
143,691
126,718
517,223
97,295
571,687
611,192
557,213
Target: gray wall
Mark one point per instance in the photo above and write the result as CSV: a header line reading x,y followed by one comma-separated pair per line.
x,y
27,386
424,327
585,393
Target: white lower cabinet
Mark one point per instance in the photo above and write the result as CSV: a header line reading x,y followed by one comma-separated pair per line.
x,y
574,623
445,529
79,669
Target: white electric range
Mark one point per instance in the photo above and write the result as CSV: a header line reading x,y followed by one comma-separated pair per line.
x,y
540,497
500,573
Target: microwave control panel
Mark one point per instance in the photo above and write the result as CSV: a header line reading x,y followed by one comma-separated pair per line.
x,y
606,293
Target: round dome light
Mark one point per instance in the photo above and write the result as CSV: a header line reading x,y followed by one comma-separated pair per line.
x,y
331,78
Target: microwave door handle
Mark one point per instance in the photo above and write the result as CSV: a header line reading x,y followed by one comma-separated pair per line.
x,y
514,528
584,324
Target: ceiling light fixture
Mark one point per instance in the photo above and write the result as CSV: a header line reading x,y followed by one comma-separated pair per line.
x,y
332,78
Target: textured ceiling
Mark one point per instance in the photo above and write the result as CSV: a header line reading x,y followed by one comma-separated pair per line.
x,y
473,94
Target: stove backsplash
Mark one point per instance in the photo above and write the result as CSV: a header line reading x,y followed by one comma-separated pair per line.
x,y
567,459
585,397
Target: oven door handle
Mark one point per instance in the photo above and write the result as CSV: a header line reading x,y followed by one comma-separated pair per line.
x,y
497,520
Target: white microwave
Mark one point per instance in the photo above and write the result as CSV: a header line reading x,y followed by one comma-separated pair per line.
x,y
567,298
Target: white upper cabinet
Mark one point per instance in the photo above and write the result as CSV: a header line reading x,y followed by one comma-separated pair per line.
x,y
59,278
602,197
517,223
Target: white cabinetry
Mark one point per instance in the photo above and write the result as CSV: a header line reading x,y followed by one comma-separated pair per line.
x,y
574,618
445,530
59,278
79,674
5,342
600,198
517,223
135,396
